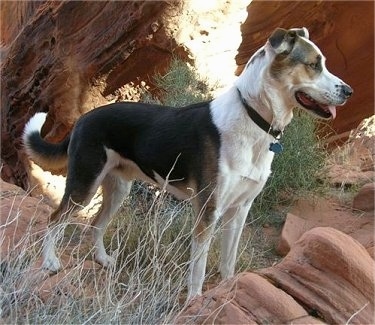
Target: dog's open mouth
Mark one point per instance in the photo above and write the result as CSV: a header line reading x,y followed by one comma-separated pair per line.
x,y
321,110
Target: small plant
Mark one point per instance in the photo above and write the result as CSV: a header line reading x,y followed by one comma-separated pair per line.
x,y
180,86
294,170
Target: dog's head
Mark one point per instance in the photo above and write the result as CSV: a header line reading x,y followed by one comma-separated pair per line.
x,y
299,65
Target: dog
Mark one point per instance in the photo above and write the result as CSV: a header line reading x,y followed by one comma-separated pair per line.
x,y
217,153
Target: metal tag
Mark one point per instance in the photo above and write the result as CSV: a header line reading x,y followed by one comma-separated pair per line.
x,y
276,147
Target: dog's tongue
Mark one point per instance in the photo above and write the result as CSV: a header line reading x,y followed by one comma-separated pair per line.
x,y
332,110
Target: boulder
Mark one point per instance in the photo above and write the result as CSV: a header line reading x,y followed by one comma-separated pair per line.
x,y
307,214
364,200
330,274
327,277
247,299
23,219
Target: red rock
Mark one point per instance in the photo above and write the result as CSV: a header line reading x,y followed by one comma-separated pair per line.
x,y
22,218
293,228
364,200
307,320
371,251
327,274
319,212
249,299
54,61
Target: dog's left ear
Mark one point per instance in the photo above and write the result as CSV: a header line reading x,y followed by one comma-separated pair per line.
x,y
301,32
282,40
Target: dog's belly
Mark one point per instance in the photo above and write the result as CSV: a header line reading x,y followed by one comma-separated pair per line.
x,y
129,170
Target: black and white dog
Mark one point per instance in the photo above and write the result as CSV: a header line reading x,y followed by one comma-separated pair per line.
x,y
216,153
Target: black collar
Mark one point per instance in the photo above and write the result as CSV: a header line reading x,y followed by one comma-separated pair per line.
x,y
259,120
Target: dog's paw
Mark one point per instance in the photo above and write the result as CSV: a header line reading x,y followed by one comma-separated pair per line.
x,y
52,264
105,260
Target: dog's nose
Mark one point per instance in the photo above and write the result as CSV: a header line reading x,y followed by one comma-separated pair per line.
x,y
346,90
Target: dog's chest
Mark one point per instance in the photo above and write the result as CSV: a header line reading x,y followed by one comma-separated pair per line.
x,y
242,174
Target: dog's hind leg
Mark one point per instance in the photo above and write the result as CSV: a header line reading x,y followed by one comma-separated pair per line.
x,y
115,189
68,206
82,182
233,223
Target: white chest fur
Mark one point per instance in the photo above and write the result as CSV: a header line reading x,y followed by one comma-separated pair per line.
x,y
245,160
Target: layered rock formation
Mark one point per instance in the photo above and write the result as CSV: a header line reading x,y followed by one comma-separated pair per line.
x,y
321,212
327,277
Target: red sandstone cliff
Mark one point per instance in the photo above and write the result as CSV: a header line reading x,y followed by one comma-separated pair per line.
x,y
67,57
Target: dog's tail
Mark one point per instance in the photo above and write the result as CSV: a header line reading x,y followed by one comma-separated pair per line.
x,y
49,156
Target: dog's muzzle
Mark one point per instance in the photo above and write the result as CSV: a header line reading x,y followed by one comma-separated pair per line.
x,y
325,111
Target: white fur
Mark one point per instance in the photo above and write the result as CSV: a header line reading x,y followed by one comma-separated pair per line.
x,y
33,125
244,166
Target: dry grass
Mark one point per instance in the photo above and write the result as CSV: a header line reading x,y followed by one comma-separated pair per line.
x,y
144,287
150,239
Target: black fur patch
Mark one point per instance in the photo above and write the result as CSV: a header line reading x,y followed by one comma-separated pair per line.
x,y
154,137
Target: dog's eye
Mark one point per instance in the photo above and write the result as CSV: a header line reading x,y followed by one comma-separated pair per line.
x,y
313,66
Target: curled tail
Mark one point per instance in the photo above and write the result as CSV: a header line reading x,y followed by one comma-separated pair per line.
x,y
50,156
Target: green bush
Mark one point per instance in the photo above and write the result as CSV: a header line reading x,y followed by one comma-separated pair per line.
x,y
180,86
294,170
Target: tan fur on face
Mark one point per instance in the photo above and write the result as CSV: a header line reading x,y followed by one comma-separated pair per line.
x,y
298,63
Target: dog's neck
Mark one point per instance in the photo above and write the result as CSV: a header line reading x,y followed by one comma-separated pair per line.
x,y
258,91
258,119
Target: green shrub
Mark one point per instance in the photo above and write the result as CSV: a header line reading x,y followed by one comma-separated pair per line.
x,y
294,170
180,86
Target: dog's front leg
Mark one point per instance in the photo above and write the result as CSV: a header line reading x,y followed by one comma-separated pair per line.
x,y
233,223
50,260
202,235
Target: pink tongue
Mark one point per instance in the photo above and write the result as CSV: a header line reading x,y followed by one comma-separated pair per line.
x,y
332,110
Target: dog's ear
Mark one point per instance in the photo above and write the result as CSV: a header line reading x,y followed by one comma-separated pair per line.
x,y
282,40
301,32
